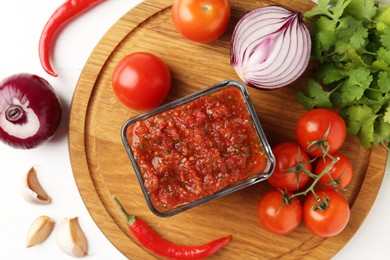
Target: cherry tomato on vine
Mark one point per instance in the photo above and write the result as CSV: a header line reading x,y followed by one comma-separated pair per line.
x,y
201,20
328,217
321,127
277,217
290,160
141,81
339,175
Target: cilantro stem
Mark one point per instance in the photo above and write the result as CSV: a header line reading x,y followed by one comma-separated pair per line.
x,y
370,53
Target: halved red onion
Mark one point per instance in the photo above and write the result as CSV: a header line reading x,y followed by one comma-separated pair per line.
x,y
30,111
270,47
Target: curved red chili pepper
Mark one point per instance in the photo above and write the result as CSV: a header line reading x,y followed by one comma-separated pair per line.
x,y
62,15
148,238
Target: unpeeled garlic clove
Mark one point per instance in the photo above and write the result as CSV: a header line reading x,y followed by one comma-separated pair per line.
x,y
32,190
71,238
39,230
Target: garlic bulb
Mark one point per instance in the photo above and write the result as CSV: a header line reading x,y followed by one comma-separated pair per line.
x,y
71,238
39,230
32,190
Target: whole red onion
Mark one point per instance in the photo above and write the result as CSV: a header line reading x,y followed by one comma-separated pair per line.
x,y
30,111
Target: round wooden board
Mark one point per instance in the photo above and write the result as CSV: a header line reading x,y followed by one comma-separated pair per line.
x,y
101,167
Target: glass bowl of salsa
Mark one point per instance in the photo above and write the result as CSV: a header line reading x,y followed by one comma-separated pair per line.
x,y
198,148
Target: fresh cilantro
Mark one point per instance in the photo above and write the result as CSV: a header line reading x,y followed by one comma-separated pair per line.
x,y
362,9
382,132
320,9
384,82
351,34
337,8
351,43
360,122
329,73
386,116
385,38
353,56
358,81
382,18
326,36
380,64
315,96
384,54
352,31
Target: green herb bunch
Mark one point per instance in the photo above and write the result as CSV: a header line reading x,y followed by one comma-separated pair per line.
x,y
351,42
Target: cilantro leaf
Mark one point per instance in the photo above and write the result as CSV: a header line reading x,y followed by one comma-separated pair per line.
x,y
362,9
386,116
382,132
385,38
329,73
315,96
330,8
373,99
338,8
358,81
382,18
380,65
355,60
352,31
384,54
325,36
320,9
360,122
384,82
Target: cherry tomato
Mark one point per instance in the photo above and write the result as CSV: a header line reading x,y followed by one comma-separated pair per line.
x,y
277,217
328,217
289,156
322,126
141,81
339,175
201,20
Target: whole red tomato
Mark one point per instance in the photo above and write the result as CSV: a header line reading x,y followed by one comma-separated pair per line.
x,y
290,161
201,20
321,127
339,175
141,81
327,217
276,215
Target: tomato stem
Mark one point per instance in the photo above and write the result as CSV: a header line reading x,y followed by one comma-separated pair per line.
x,y
316,179
206,8
335,183
300,167
322,144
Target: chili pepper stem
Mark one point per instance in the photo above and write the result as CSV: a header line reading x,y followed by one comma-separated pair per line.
x,y
130,218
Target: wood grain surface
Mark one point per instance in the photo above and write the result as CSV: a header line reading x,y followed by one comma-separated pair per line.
x,y
101,167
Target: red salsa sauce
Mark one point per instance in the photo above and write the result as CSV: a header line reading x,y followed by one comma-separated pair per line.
x,y
197,149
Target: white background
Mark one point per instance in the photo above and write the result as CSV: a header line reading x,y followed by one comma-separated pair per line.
x,y
21,22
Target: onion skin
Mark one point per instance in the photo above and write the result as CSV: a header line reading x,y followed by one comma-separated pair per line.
x,y
30,111
270,47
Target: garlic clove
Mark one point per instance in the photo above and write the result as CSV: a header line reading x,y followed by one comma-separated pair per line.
x,y
32,190
39,231
71,238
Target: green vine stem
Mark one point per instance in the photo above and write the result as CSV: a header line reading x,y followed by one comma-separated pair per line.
x,y
316,179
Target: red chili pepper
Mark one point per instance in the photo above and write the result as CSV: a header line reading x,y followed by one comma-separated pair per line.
x,y
148,238
62,15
